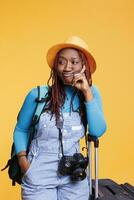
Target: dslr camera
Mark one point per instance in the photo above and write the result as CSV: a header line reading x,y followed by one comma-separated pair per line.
x,y
75,166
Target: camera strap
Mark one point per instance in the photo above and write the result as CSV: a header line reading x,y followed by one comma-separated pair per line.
x,y
59,125
60,138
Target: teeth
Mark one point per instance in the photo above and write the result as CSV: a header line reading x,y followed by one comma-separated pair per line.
x,y
68,74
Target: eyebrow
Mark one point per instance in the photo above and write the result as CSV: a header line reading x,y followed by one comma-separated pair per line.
x,y
66,58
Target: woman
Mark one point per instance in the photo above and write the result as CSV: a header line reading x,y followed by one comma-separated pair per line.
x,y
72,100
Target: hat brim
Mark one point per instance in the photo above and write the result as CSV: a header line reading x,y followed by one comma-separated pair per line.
x,y
51,54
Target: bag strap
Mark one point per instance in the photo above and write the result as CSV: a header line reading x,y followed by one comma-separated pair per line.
x,y
41,102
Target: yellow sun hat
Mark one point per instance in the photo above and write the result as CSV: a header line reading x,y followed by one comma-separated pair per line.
x,y
72,42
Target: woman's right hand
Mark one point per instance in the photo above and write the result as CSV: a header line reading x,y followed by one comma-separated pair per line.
x,y
24,164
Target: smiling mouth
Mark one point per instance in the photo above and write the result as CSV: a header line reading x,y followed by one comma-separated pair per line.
x,y
68,74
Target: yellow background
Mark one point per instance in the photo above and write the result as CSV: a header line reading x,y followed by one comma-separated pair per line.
x,y
28,28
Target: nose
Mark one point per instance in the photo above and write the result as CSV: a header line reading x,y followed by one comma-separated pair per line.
x,y
68,66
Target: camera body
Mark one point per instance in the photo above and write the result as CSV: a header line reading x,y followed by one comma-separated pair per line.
x,y
75,166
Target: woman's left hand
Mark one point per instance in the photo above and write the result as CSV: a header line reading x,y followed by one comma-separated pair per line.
x,y
81,83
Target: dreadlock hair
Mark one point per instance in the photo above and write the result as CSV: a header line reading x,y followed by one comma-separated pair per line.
x,y
56,93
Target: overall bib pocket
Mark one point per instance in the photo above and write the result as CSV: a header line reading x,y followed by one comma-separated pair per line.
x,y
47,125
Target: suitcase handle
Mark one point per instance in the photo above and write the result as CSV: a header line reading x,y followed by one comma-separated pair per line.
x,y
95,140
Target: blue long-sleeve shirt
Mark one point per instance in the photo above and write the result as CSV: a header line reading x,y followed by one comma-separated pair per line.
x,y
94,111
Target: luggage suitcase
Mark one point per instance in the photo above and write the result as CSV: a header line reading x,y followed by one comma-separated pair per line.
x,y
129,188
105,189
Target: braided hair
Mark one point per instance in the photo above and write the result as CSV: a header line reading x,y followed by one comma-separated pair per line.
x,y
56,93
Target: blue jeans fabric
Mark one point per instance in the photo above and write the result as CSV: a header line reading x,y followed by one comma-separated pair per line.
x,y
42,181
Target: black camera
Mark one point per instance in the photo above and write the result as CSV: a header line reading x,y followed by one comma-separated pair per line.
x,y
75,166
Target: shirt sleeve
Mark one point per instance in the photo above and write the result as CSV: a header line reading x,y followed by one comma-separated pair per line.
x,y
21,131
95,115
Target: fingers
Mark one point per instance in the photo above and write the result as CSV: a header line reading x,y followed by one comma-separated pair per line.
x,y
83,69
77,80
81,72
79,77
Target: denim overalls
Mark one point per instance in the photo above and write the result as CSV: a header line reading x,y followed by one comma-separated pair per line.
x,y
42,181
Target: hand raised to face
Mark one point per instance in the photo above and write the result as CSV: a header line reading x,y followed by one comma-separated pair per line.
x,y
80,80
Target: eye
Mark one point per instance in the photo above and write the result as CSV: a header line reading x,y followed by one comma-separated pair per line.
x,y
75,62
61,62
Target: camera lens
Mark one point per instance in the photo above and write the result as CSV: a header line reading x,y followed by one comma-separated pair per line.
x,y
78,175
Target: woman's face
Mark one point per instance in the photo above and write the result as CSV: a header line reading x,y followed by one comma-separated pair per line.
x,y
69,63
